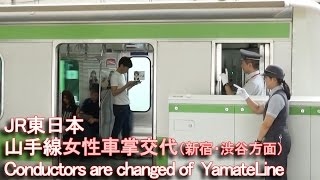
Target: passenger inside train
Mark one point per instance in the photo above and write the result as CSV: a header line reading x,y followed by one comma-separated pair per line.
x,y
121,105
89,112
93,78
76,71
69,109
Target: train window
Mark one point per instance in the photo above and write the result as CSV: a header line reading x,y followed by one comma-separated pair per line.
x,y
140,95
228,57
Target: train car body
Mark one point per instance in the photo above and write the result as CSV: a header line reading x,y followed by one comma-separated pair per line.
x,y
181,48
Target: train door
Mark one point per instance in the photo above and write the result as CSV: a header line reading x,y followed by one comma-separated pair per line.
x,y
141,95
227,55
83,64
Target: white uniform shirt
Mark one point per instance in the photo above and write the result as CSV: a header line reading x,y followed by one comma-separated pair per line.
x,y
119,80
255,84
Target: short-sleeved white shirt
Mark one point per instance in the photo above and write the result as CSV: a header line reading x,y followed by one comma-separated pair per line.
x,y
255,84
119,80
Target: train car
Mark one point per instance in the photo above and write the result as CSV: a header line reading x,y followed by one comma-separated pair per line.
x,y
178,48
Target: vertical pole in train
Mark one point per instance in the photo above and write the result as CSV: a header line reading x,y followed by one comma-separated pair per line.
x,y
100,112
57,160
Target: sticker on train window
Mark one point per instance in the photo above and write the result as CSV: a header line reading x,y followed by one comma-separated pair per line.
x,y
138,75
140,95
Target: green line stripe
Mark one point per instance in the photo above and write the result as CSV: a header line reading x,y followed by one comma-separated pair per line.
x,y
242,109
299,110
148,30
201,108
237,109
159,159
315,110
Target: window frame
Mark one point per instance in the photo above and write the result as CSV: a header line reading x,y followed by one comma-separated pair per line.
x,y
216,63
150,85
2,87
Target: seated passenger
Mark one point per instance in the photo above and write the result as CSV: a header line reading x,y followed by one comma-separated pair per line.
x,y
69,109
89,112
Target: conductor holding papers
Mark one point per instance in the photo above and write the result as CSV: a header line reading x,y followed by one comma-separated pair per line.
x,y
274,127
254,84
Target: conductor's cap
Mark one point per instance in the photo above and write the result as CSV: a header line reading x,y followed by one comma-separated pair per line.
x,y
245,54
274,71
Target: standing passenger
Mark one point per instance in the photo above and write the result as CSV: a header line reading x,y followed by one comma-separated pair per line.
x,y
121,105
276,112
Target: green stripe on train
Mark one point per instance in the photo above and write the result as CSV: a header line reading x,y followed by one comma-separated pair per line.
x,y
148,30
236,109
161,160
202,108
25,155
